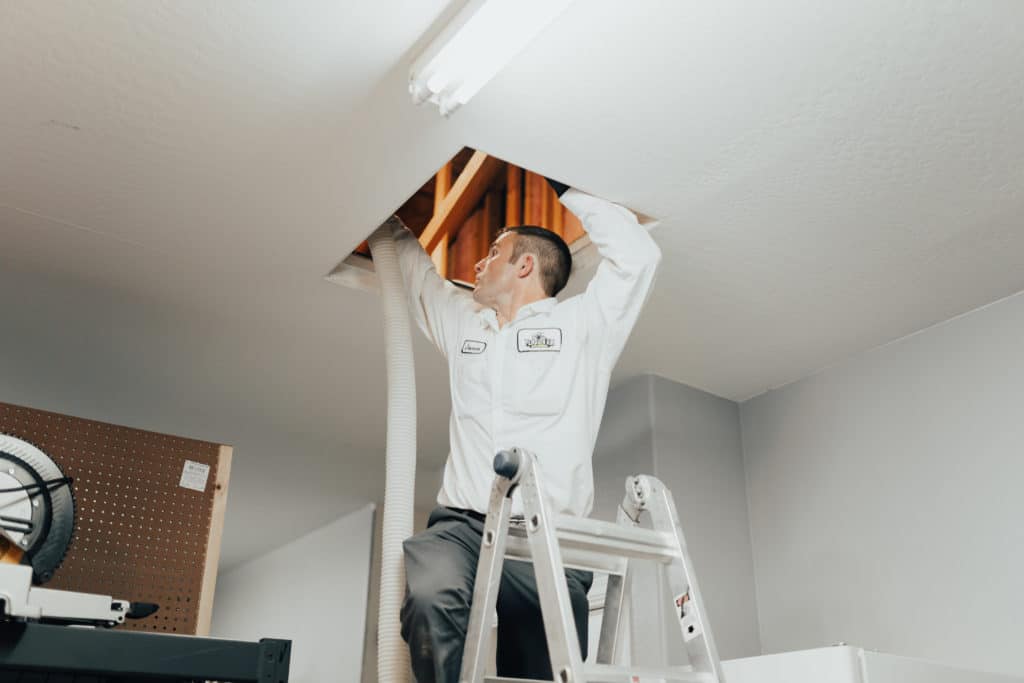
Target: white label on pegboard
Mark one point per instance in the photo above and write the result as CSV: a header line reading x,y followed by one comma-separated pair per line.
x,y
194,475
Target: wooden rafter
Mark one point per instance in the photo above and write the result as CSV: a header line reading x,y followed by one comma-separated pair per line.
x,y
442,186
463,197
514,201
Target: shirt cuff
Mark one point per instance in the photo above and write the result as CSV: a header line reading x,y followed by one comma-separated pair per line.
x,y
579,203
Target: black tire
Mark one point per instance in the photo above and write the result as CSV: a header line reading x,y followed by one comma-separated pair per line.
x,y
47,548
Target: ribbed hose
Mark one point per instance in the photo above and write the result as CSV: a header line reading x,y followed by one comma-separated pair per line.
x,y
392,654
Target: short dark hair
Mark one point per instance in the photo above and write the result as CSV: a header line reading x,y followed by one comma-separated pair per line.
x,y
553,255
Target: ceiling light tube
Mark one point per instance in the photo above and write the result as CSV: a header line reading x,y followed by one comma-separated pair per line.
x,y
482,38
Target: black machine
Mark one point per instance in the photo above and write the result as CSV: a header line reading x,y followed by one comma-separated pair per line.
x,y
57,636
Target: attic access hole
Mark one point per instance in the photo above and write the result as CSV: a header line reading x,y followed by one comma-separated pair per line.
x,y
459,211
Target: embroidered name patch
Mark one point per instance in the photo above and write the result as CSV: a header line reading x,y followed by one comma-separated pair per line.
x,y
473,346
546,339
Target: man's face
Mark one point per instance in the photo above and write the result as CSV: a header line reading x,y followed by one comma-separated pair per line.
x,y
494,274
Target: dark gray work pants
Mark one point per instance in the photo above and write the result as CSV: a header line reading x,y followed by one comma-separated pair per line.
x,y
440,569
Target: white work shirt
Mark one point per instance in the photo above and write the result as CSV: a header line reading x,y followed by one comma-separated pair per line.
x,y
541,381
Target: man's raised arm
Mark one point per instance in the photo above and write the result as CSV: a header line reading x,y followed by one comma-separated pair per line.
x,y
436,304
629,259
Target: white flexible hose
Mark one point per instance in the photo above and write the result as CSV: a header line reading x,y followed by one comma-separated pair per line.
x,y
392,654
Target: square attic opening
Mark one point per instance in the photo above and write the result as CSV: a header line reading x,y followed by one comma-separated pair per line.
x,y
459,211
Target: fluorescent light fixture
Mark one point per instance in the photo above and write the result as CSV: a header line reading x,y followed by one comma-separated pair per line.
x,y
482,38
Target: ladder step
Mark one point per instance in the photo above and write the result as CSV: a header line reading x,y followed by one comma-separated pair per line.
x,y
588,543
602,673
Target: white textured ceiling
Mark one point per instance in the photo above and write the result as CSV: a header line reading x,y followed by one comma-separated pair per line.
x,y
177,177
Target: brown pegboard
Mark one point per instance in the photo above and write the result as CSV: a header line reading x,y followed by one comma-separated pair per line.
x,y
139,535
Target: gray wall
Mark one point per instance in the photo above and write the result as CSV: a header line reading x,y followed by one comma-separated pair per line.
x,y
624,447
699,455
625,444
691,441
312,591
885,497
370,649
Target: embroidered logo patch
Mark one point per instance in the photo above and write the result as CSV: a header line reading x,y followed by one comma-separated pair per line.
x,y
547,339
473,346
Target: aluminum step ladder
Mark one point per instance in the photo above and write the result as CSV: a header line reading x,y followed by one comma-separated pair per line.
x,y
553,543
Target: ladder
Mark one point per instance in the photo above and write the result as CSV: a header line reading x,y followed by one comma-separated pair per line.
x,y
554,542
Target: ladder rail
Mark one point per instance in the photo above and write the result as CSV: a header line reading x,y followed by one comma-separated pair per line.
x,y
487,581
693,619
610,641
556,606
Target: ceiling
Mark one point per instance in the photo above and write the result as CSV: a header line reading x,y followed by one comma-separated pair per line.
x,y
176,178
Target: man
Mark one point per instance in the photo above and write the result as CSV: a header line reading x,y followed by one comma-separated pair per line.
x,y
525,370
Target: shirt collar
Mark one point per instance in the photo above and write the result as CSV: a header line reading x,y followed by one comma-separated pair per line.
x,y
489,317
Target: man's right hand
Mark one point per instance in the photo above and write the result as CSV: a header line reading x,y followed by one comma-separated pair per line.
x,y
394,222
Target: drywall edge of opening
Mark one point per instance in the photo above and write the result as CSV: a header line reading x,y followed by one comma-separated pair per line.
x,y
357,271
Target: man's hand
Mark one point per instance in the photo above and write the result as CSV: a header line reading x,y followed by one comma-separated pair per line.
x,y
559,188
394,223
392,227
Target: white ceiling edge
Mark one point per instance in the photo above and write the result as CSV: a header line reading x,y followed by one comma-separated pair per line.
x,y
840,362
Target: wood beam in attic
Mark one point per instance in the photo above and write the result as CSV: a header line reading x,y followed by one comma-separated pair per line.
x,y
442,187
462,199
514,196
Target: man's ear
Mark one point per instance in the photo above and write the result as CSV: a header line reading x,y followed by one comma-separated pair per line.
x,y
527,262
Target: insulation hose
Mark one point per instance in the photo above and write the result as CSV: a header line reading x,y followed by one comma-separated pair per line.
x,y
392,655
